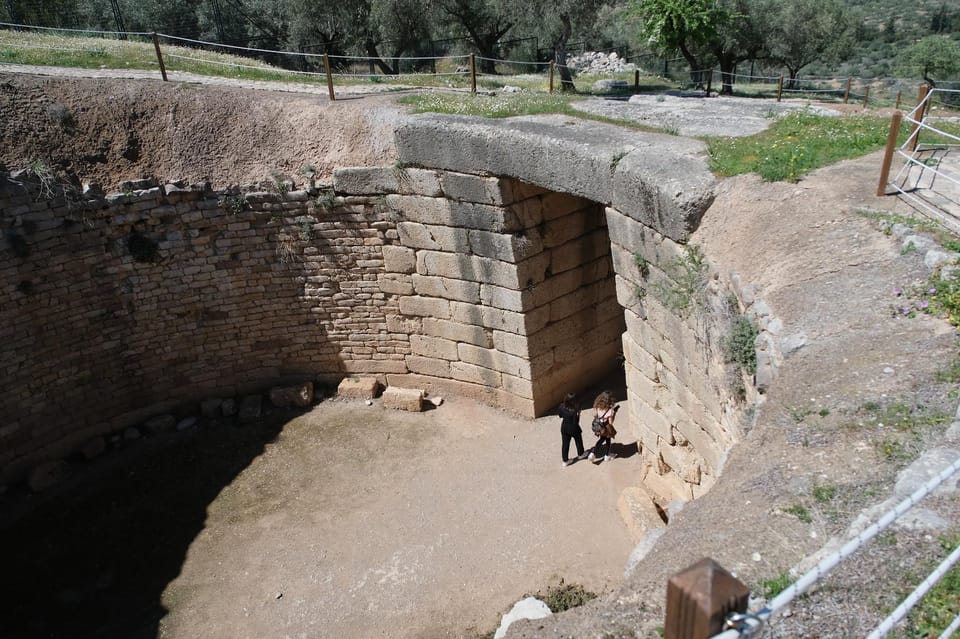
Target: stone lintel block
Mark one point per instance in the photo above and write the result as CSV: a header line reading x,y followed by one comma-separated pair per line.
x,y
450,289
444,212
666,187
379,180
458,332
639,512
435,347
558,204
359,388
433,237
408,399
399,259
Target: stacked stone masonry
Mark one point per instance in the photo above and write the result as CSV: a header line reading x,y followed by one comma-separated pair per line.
x,y
450,282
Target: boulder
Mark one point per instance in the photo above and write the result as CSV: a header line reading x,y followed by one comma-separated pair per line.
x,y
403,399
358,388
286,396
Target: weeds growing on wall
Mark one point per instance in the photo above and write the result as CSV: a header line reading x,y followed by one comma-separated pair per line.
x,y
234,204
741,344
687,284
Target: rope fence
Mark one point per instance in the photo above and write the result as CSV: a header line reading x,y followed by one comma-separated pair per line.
x,y
311,66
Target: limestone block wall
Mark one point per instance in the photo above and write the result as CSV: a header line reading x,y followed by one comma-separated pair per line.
x,y
506,289
684,408
116,308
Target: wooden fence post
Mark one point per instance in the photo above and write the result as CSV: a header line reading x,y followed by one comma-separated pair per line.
x,y
636,80
473,74
846,93
897,105
551,76
699,598
888,153
915,129
326,67
156,46
866,95
780,88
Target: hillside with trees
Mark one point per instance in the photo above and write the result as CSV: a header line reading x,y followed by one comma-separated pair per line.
x,y
862,38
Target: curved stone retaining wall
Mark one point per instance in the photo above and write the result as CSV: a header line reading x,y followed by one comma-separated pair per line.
x,y
511,262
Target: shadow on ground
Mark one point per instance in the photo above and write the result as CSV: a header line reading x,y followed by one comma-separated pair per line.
x,y
93,559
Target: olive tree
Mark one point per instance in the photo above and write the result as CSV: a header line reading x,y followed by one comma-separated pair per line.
x,y
932,55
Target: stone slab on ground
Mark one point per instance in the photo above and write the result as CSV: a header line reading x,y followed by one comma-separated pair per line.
x,y
409,399
358,388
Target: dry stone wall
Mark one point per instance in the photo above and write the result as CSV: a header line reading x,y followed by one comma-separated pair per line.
x,y
117,308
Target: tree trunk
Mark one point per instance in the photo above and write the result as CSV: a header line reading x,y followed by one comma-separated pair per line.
x,y
727,70
375,60
560,55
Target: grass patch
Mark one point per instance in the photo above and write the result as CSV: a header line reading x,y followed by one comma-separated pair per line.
x,y
798,143
563,596
800,512
772,587
937,609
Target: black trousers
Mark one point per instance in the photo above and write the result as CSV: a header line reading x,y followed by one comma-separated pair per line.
x,y
577,439
600,442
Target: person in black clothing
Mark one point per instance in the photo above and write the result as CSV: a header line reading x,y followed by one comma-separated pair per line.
x,y
570,427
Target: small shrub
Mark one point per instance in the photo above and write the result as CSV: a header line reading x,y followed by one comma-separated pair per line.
x,y
772,587
234,204
824,494
741,344
643,266
564,596
306,231
326,200
800,512
687,284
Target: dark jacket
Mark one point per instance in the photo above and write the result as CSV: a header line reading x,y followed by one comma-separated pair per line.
x,y
570,424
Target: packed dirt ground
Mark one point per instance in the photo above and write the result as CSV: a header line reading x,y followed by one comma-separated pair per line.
x,y
352,521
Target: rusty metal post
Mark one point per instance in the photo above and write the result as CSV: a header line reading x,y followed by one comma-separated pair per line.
x,y
326,67
888,153
699,598
780,88
846,93
551,76
473,74
866,95
156,46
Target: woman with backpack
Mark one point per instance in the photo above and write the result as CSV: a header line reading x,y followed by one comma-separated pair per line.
x,y
605,410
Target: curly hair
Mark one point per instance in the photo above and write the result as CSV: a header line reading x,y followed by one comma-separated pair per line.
x,y
605,401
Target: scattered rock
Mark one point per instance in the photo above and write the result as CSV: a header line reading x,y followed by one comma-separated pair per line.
x,y
359,388
638,511
285,396
210,408
409,399
936,257
93,448
187,422
250,408
47,475
160,424
436,401
529,608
